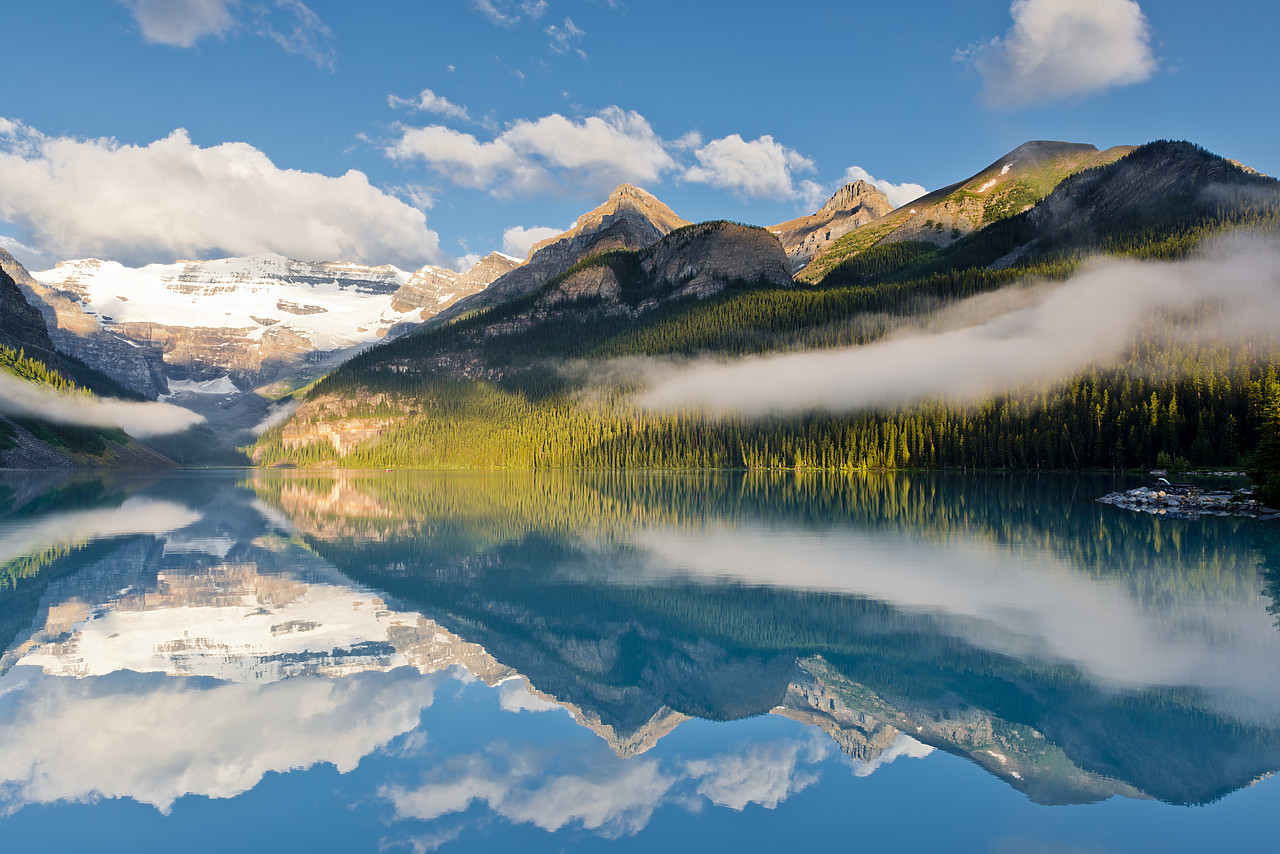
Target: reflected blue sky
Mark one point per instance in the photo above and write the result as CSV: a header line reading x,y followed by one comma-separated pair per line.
x,y
208,674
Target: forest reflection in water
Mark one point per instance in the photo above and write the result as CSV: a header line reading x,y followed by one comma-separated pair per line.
x,y
223,626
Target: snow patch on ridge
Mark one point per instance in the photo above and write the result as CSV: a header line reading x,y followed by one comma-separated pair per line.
x,y
222,385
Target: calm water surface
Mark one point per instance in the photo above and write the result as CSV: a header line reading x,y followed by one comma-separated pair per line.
x,y
413,662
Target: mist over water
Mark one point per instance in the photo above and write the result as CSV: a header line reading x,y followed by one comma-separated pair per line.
x,y
29,400
1020,338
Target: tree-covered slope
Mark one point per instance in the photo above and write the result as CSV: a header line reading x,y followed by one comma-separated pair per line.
x,y
545,380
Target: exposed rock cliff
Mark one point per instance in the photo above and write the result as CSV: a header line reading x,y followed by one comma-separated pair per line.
x,y
21,326
693,261
254,319
852,205
630,218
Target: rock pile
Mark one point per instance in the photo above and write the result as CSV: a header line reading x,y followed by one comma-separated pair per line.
x,y
1188,501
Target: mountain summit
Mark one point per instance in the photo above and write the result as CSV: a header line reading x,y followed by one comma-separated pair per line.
x,y
853,205
631,218
1009,186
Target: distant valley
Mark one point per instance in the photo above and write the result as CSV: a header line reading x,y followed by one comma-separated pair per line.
x,y
537,362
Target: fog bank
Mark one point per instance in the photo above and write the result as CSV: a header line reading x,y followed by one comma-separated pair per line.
x,y
29,400
1017,338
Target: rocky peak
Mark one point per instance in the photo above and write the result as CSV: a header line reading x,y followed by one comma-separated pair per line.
x,y
626,202
488,269
631,218
855,194
853,205
437,288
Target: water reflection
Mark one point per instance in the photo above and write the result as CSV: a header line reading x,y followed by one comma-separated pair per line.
x,y
190,635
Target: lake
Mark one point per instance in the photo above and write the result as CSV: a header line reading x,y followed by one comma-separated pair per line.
x,y
414,661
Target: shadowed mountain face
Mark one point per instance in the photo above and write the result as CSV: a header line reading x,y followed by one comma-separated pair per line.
x,y
21,326
1009,186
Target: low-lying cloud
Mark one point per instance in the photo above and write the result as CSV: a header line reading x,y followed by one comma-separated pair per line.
x,y
1018,338
28,400
171,199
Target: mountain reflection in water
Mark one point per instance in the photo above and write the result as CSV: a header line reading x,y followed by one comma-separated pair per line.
x,y
190,634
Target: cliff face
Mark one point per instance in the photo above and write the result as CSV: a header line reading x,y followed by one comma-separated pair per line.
x,y
630,218
21,326
701,259
851,206
694,261
135,366
253,319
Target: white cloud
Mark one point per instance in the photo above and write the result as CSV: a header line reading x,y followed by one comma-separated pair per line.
x,y
766,774
564,37
609,796
135,516
429,102
518,240
899,194
549,154
812,194
508,12
516,695
156,739
172,199
29,399
761,168
183,23
1065,48
299,31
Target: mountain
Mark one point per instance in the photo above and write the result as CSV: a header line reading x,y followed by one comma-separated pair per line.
x,y
27,357
1010,185
21,326
432,289
557,575
80,335
853,205
630,218
548,378
250,320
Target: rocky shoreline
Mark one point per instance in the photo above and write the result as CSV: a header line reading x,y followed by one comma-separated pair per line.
x,y
1190,501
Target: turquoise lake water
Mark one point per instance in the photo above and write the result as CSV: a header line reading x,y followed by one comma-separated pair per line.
x,y
351,661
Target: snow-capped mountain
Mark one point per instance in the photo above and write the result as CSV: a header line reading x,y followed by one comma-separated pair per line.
x,y
252,318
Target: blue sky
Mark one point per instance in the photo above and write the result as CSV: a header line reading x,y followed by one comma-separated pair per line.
x,y
415,132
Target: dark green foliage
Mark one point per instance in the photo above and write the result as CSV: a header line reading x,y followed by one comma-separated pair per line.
x,y
1192,404
73,437
1265,466
21,365
879,261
